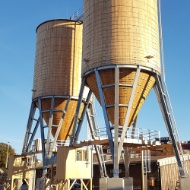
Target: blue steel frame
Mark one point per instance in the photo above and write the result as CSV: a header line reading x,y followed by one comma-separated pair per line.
x,y
45,139
116,146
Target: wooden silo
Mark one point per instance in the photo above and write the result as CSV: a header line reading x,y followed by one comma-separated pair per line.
x,y
122,34
58,70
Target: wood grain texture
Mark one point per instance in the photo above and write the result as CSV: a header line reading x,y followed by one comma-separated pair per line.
x,y
145,83
58,69
120,32
169,175
58,58
67,125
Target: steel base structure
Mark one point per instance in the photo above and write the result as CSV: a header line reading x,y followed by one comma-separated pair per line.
x,y
116,141
90,113
36,121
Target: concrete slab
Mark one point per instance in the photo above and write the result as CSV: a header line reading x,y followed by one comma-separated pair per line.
x,y
116,184
103,183
128,183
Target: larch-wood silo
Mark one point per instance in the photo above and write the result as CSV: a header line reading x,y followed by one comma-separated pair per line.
x,y
57,80
56,87
121,54
58,70
121,63
121,34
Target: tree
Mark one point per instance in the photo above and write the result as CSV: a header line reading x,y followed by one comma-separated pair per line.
x,y
3,154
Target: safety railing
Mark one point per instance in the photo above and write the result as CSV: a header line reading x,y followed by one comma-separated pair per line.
x,y
137,134
78,15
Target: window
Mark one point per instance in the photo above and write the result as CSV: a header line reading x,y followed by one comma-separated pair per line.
x,y
81,155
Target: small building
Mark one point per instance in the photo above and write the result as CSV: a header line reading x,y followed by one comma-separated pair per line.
x,y
74,165
162,174
22,169
78,166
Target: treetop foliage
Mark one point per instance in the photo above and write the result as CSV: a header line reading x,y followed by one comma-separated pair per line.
x,y
3,154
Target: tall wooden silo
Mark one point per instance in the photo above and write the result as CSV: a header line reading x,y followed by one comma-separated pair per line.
x,y
121,57
122,62
122,34
58,70
57,82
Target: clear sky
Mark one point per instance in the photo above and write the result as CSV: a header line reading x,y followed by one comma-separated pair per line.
x,y
18,22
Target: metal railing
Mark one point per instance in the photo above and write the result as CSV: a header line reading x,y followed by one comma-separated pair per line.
x,y
138,134
78,15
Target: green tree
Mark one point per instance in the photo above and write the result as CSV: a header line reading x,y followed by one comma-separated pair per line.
x,y
4,148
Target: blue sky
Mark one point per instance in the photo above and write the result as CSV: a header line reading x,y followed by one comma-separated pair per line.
x,y
18,22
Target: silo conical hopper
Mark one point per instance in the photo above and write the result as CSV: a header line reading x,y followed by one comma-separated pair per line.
x,y
58,70
123,34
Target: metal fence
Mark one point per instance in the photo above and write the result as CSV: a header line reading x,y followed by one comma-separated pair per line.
x,y
137,134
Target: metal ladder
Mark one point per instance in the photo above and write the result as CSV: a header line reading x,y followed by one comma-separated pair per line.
x,y
166,107
167,112
146,161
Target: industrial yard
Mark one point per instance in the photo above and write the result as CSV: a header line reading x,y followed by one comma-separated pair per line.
x,y
93,73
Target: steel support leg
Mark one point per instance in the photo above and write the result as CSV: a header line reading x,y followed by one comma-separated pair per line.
x,y
128,111
29,127
116,125
103,104
32,136
50,123
86,104
59,128
42,134
77,111
93,128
